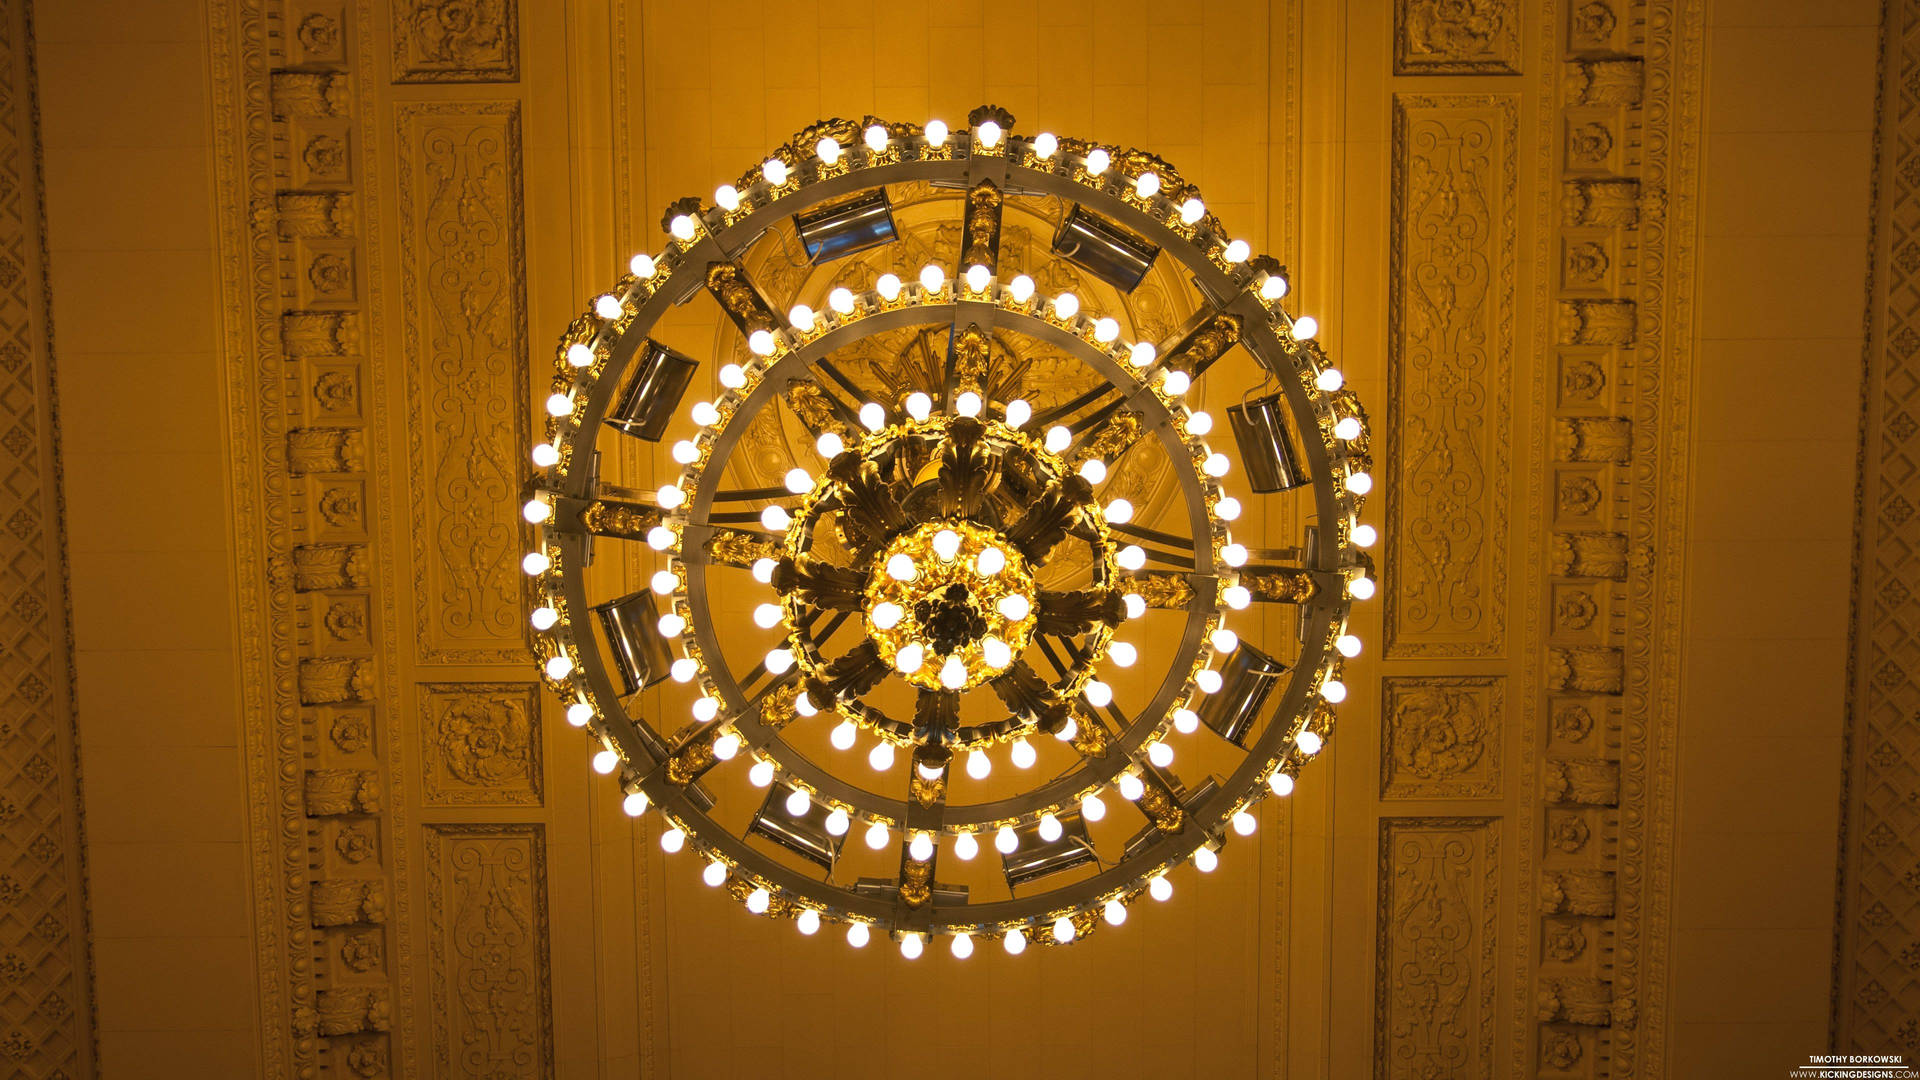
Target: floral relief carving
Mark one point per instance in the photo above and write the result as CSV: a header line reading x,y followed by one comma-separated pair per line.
x,y
487,934
1456,36
465,320
482,743
1443,736
1434,1013
456,41
1450,374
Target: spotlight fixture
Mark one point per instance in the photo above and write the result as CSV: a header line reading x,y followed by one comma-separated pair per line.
x,y
948,568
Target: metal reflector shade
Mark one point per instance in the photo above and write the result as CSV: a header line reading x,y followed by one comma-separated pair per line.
x,y
660,378
632,627
1246,680
1036,858
830,232
1266,450
1151,832
1104,249
805,836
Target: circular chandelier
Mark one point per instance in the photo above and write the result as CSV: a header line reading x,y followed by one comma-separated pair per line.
x,y
948,563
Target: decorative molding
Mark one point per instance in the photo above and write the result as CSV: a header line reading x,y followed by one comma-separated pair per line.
x,y
1456,37
1443,736
47,1015
1438,930
475,41
464,315
480,744
1450,373
489,980
1876,999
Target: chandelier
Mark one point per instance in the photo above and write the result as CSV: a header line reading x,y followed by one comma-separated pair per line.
x,y
948,561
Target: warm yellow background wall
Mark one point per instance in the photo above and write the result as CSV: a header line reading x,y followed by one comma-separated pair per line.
x,y
182,232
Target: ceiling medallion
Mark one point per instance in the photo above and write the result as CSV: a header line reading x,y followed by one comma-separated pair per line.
x,y
946,625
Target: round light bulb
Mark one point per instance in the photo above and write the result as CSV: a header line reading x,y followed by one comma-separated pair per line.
x,y
886,614
1192,211
978,278
1359,483
1208,681
1236,597
1147,186
1160,888
1119,511
829,445
763,568
799,481
715,875
1280,783
1273,287
1304,328
1021,289
990,561
1050,828
798,803
1066,305
873,417
1122,653
858,935
1131,557
1135,605
962,946
936,133
1131,787
761,775
1348,427
979,766
1175,382
888,286
642,265
801,317
1365,536
1360,588
1228,508
1044,145
1092,808
908,660
808,922
726,746
634,804
876,137
838,822
1161,754
932,278
900,567
920,848
919,405
877,835
827,150
760,343
606,761
1018,413
946,544
682,227
1186,721
1115,913
1014,942
774,171
1105,330
684,669
1023,754
1224,640
757,901
1199,423
1204,860
686,451
665,581
1244,823
608,307
1058,439
843,735
1334,690
705,708
1098,694
1237,252
704,413
559,667
841,301
1093,471
670,496
579,355
988,133
544,618
559,405
673,840
1348,645
967,403
965,847
1005,840
1309,742
1063,930
727,197
546,455
779,661
880,758
953,673
1329,379
1097,161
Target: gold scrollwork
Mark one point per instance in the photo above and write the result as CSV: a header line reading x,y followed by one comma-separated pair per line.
x,y
1166,591
628,520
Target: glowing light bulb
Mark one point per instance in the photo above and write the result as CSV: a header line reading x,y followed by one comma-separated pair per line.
x,y
1160,888
880,758
779,661
1237,252
1348,645
664,582
1098,694
559,405
1068,730
877,835
1018,413
606,761
932,278
1204,859
608,307
798,803
829,445
886,614
841,301
673,840
1021,289
799,481
1131,557
757,901
546,455
936,133
1273,287
544,618
838,822
888,286
1175,382
1119,511
684,669
1365,536
801,317
1066,305
1161,754
908,660
807,922
962,946
1228,508
990,561
979,766
760,343
1334,691
965,847
1023,754
579,355
1050,828
858,935
1105,330
978,278
873,417
1097,161
1141,354
1304,328
919,405
920,848
1309,742
715,875
634,804
761,775
946,544
686,451
1131,787
704,413
727,197
900,567
1093,471
1058,439
1348,427
1359,483
1186,721
1192,211
774,171
967,403
1005,840
559,667
1063,930
1244,823
876,137
643,266
843,735
1329,379
726,746
953,673
1147,186
1236,597
705,708
1014,606
1360,588
1224,640
763,568
1014,942
682,227
1122,653
988,133
1234,554
1092,808
1044,145
1135,604
1208,681
827,150
1280,783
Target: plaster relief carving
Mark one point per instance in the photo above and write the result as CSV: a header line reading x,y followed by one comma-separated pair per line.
x,y
308,95
462,272
1456,36
330,680
1577,892
481,743
1443,736
456,41
1611,202
1591,670
342,791
341,902
487,932
325,450
1449,373
344,1012
1590,555
1437,940
1604,82
329,566
1575,1001
319,333
1585,781
1592,438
